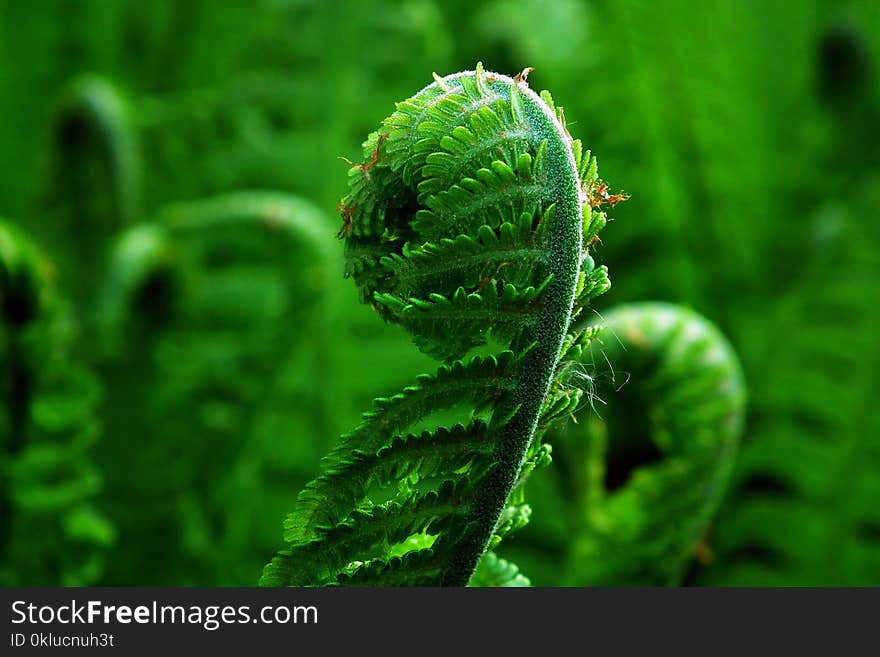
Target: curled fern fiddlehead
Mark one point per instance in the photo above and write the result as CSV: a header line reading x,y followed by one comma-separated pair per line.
x,y
94,179
654,466
94,115
467,223
251,232
49,532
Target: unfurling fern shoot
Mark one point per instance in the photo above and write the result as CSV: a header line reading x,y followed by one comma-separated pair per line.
x,y
652,470
467,223
94,181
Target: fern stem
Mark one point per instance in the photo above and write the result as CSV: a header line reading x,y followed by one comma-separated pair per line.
x,y
553,322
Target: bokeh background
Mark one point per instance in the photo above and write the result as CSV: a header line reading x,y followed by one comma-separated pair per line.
x,y
196,349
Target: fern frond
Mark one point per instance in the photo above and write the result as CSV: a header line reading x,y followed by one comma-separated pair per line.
x,y
656,455
509,252
410,569
448,327
497,572
403,464
479,383
366,533
464,224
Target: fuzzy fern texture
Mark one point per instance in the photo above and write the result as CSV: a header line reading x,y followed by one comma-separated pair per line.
x,y
468,223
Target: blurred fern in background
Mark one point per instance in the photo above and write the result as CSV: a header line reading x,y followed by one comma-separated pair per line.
x,y
50,531
195,373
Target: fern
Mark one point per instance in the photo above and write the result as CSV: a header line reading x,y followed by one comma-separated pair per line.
x,y
651,464
495,572
803,510
188,308
195,312
49,530
468,224
94,180
93,129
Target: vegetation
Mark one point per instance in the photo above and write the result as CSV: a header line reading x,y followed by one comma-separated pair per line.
x,y
179,349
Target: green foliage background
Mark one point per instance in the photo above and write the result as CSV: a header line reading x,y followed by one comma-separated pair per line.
x,y
745,132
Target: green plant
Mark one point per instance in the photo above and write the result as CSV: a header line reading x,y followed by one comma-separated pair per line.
x,y
49,531
195,317
642,473
803,509
468,223
96,162
185,314
191,313
94,181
